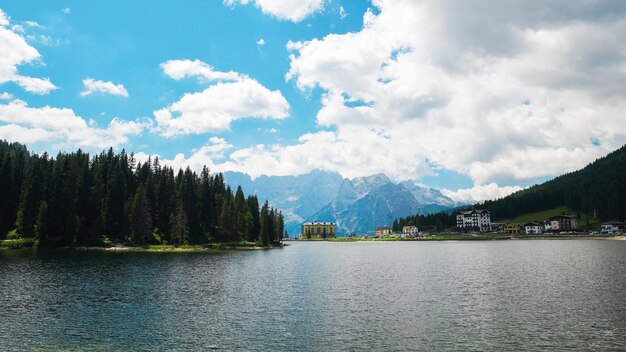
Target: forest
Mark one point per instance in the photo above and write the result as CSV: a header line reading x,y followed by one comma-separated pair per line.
x,y
74,199
442,220
598,189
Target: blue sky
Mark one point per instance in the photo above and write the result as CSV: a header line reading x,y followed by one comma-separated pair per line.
x,y
479,99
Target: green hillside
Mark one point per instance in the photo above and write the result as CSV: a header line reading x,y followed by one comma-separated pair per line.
x,y
584,220
599,188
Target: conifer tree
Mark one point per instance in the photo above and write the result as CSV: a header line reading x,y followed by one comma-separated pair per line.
x,y
140,218
41,229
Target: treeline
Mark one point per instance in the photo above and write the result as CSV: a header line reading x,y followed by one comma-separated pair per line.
x,y
599,188
442,221
75,199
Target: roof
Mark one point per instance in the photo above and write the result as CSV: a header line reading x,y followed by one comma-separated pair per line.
x,y
613,222
472,212
564,216
409,227
319,223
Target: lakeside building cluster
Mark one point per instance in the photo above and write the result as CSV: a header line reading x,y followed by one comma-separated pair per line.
x,y
472,221
479,221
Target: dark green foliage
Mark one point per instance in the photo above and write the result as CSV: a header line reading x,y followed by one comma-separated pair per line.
x,y
599,188
77,200
441,220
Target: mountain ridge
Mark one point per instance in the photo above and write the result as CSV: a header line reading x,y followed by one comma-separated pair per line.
x,y
357,205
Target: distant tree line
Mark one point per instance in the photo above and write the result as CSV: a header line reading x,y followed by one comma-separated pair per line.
x,y
442,220
75,199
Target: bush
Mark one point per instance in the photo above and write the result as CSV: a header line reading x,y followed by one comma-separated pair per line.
x,y
19,243
12,235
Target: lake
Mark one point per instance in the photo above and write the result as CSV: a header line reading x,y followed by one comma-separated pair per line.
x,y
319,296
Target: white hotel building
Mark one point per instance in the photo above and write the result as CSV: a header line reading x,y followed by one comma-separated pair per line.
x,y
479,220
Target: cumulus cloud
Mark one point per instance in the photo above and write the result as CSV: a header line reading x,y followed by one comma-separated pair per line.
x,y
61,127
234,96
6,96
502,92
260,41
291,10
105,88
480,193
207,155
66,10
14,51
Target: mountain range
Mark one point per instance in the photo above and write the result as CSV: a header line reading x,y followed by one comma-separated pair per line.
x,y
357,205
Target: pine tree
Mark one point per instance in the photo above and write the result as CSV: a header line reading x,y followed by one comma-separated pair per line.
x,y
140,218
265,228
179,226
41,229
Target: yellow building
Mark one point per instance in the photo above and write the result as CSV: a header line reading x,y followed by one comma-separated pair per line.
x,y
318,230
512,228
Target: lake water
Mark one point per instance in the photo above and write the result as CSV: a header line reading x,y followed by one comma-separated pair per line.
x,y
377,296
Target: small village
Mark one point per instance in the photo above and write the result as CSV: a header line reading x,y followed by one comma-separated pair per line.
x,y
473,222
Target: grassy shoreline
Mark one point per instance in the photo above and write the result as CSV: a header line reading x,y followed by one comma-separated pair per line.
x,y
29,243
478,237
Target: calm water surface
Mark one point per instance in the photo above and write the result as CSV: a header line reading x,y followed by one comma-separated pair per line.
x,y
380,296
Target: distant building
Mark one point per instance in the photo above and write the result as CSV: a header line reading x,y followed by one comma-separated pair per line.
x,y
547,225
318,230
410,231
497,227
533,228
512,228
613,227
383,231
474,220
563,222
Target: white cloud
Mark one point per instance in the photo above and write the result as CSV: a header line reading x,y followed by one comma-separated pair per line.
x,y
179,69
204,156
14,51
17,133
342,13
4,19
6,96
213,109
292,10
260,41
33,24
67,10
95,86
500,92
62,127
35,85
480,193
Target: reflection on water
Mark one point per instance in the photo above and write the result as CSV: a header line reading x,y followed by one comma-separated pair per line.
x,y
495,295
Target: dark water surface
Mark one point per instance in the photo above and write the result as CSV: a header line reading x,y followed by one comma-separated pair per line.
x,y
377,296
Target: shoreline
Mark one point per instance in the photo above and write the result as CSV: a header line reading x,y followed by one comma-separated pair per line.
x,y
471,238
212,247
